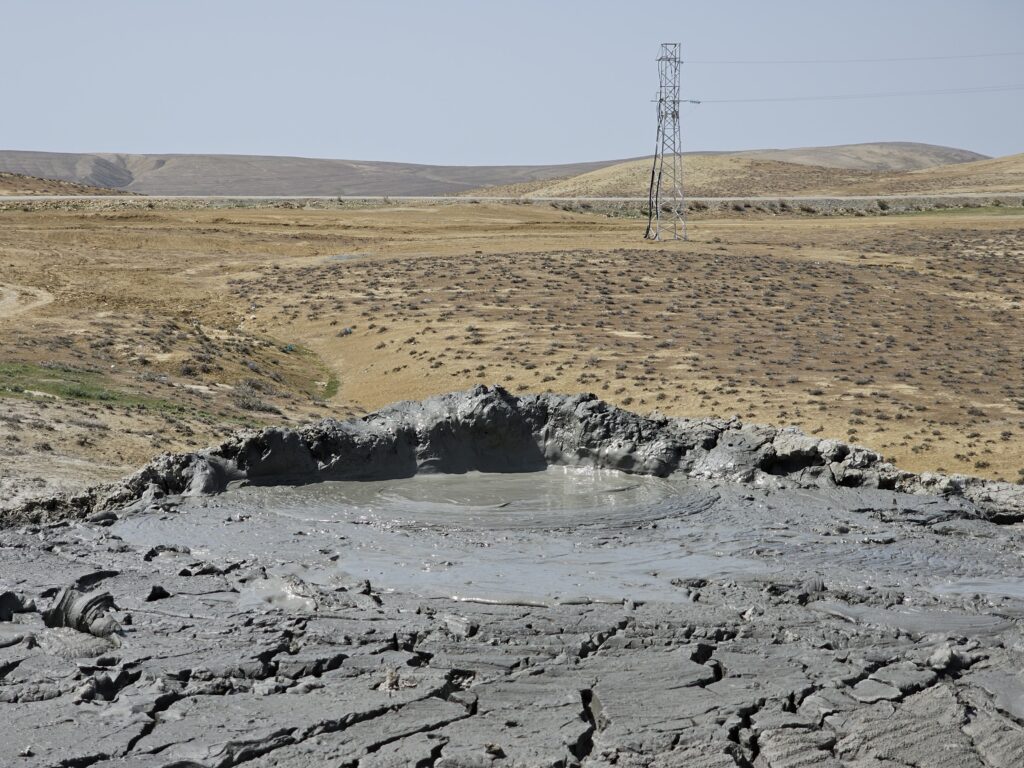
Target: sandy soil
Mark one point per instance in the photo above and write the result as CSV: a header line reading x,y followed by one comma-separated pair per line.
x,y
167,329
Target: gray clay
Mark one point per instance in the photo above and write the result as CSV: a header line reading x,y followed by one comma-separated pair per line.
x,y
484,580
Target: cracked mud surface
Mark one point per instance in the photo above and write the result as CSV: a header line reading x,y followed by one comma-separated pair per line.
x,y
736,606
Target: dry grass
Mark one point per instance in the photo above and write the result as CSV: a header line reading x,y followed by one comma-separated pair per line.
x,y
744,175
130,333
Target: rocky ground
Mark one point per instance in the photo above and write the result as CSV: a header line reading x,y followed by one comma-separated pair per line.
x,y
809,605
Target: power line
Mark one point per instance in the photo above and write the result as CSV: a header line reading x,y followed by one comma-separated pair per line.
x,y
877,95
864,61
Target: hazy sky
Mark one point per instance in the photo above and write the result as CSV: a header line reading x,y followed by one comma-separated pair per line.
x,y
511,81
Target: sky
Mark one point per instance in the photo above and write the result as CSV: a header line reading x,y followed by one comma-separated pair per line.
x,y
498,81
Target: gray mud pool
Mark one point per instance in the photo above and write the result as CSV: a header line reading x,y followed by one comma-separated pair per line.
x,y
560,534
570,534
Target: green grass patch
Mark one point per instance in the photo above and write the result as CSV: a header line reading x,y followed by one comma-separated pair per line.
x,y
306,370
29,380
331,389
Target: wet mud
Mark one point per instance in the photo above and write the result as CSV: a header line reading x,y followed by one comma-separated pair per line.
x,y
481,580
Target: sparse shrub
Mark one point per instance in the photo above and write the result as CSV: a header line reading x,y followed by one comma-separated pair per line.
x,y
248,398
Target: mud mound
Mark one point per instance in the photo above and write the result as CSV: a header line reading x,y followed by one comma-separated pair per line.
x,y
490,430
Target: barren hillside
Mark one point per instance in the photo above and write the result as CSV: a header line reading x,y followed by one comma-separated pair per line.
x,y
879,156
870,170
262,175
772,171
999,174
706,176
19,184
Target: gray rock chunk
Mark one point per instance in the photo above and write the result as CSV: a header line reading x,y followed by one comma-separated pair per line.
x,y
528,721
923,730
642,697
215,731
56,732
1007,690
364,738
418,749
998,739
311,659
826,702
870,691
905,677
796,748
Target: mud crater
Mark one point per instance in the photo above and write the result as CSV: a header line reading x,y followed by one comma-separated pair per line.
x,y
628,591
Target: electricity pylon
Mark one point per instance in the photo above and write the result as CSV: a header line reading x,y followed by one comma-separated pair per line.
x,y
666,216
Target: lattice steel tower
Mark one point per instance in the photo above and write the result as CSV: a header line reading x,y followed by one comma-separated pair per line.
x,y
665,201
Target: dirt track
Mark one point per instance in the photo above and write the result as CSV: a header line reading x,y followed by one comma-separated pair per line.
x,y
15,299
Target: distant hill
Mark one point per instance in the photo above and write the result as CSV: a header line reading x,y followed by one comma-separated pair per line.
x,y
724,175
268,175
997,174
856,169
879,156
811,170
19,184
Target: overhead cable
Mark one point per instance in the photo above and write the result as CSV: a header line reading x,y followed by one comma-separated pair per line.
x,y
862,61
876,95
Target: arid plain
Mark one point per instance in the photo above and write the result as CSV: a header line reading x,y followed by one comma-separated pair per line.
x,y
171,326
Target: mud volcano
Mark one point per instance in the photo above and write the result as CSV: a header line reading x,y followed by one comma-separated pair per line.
x,y
480,579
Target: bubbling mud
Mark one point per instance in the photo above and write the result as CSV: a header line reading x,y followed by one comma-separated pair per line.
x,y
559,497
